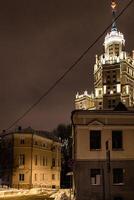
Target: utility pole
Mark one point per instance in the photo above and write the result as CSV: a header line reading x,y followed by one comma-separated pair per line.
x,y
108,170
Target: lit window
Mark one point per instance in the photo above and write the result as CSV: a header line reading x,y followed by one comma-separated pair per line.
x,y
95,139
95,176
21,177
118,88
117,139
118,176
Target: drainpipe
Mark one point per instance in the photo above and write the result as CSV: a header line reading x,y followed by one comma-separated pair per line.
x,y
31,172
73,152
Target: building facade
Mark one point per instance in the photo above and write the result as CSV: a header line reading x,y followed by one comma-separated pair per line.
x,y
113,74
103,154
30,159
103,126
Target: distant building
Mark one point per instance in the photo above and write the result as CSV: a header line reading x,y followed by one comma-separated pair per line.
x,y
29,159
113,75
84,101
103,154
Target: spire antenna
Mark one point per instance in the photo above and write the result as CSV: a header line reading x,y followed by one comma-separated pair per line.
x,y
113,6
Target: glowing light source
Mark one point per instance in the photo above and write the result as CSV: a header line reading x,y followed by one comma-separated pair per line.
x,y
118,88
104,89
113,5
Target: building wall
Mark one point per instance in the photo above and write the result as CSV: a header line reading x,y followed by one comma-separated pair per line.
x,y
105,190
87,159
36,154
83,141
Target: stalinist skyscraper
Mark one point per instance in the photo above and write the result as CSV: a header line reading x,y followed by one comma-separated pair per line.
x,y
113,74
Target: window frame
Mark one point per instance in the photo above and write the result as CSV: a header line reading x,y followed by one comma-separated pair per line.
x,y
115,146
21,159
91,143
115,182
21,177
94,175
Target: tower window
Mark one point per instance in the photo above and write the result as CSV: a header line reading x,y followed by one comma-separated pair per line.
x,y
95,139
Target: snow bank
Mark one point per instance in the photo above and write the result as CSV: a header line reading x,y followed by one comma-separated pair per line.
x,y
61,194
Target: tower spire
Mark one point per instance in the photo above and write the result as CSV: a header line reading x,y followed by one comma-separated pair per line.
x,y
113,6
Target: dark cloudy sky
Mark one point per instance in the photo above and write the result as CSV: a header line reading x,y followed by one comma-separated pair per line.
x,y
39,39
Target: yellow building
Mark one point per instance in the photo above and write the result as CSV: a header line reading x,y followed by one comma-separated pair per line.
x,y
30,158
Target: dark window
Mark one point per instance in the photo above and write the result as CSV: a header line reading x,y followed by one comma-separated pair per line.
x,y
21,159
22,140
21,177
95,176
118,198
43,160
53,162
95,139
35,159
117,139
117,176
35,177
53,176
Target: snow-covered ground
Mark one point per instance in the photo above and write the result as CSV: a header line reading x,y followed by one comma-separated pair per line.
x,y
61,194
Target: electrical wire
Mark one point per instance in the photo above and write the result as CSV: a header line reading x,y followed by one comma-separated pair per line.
x,y
50,89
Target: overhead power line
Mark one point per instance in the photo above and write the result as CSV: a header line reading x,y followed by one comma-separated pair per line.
x,y
50,89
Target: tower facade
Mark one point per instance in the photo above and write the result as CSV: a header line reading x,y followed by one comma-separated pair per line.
x,y
113,73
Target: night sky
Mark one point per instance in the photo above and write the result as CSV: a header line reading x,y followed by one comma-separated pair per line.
x,y
39,40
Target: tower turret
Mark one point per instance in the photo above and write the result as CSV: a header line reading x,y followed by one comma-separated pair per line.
x,y
114,41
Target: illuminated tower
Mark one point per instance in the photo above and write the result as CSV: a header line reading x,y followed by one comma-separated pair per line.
x,y
114,71
113,74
